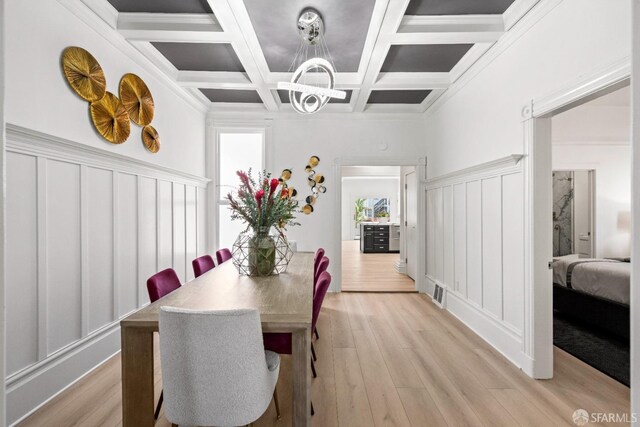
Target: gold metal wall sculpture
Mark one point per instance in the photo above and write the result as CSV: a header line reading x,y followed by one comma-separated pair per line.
x,y
111,115
136,98
111,119
84,74
150,138
316,182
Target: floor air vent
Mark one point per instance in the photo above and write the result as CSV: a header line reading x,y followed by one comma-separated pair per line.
x,y
438,296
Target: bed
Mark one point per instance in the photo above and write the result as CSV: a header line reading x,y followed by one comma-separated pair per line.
x,y
594,290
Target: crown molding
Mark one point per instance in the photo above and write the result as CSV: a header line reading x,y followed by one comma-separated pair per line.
x,y
28,141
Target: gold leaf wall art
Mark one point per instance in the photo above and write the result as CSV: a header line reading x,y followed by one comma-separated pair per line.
x,y
111,119
150,138
136,98
84,73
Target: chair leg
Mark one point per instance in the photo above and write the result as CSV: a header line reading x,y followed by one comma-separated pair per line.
x,y
313,353
312,411
313,369
275,400
158,406
316,332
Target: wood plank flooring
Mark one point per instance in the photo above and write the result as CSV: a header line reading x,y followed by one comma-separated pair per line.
x,y
371,272
390,360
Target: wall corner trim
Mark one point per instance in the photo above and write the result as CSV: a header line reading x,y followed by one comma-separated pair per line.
x,y
29,141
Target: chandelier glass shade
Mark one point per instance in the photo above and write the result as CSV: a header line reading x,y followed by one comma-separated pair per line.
x,y
313,81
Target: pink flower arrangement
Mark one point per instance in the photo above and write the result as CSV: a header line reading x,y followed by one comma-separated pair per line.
x,y
262,206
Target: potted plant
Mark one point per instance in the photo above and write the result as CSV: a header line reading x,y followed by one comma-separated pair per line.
x,y
262,204
382,217
359,211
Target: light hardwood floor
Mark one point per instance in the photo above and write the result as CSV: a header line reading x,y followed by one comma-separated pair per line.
x,y
371,272
390,360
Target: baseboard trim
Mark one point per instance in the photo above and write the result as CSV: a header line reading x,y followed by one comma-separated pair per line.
x,y
401,266
500,337
30,391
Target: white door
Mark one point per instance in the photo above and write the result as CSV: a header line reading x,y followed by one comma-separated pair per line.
x,y
582,213
411,223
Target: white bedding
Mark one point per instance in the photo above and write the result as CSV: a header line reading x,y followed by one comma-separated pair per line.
x,y
604,278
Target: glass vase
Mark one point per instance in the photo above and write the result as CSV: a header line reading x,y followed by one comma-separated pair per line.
x,y
260,254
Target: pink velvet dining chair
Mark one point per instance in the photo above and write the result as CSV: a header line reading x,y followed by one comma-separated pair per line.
x,y
223,255
321,266
202,264
281,342
159,285
316,260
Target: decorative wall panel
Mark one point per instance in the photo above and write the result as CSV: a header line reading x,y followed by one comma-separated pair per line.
x,y
86,227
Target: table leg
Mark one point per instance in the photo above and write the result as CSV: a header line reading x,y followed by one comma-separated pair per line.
x,y
137,377
301,377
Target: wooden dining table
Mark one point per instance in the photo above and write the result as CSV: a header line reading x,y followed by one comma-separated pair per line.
x,y
284,302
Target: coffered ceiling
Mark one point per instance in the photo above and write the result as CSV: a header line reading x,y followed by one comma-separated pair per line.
x,y
390,55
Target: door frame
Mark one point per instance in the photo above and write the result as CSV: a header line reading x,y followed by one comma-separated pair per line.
x,y
536,118
420,165
404,225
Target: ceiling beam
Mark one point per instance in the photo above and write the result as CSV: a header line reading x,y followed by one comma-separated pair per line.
x,y
392,14
172,27
233,17
449,29
214,80
419,81
342,79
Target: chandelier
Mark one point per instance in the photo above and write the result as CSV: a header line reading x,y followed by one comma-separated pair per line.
x,y
314,76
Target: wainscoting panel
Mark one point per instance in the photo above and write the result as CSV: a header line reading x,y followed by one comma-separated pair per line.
x,y
460,239
63,274
492,246
179,252
447,229
475,229
85,229
22,262
99,244
513,250
474,242
191,229
148,238
126,222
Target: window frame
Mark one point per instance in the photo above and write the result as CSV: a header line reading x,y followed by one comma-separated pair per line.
x,y
218,194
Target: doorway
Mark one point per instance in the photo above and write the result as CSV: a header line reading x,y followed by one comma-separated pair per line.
x,y
546,152
374,220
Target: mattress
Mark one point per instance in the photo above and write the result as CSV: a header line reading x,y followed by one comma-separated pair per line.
x,y
604,278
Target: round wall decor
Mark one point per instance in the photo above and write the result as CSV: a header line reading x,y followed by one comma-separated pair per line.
x,y
110,119
150,138
136,98
84,73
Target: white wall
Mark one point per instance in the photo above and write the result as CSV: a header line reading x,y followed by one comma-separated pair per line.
x,y
82,213
2,214
39,98
635,271
335,138
480,121
355,187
